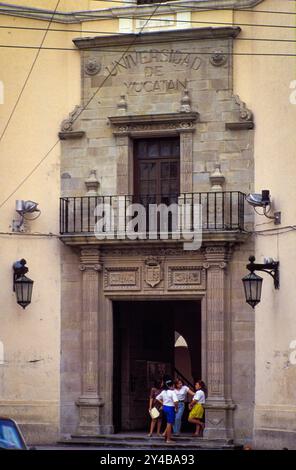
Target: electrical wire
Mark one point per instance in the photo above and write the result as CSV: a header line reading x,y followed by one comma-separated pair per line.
x,y
78,114
125,34
164,20
117,51
106,49
176,7
29,74
194,8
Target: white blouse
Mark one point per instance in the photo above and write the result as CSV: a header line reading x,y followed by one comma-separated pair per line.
x,y
200,397
182,392
167,397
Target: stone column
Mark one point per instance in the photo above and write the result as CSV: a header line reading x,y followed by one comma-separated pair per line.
x,y
219,407
89,402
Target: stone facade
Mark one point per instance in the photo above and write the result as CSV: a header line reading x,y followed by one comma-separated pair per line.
x,y
164,84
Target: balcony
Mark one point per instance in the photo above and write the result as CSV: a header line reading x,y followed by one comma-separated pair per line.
x,y
217,215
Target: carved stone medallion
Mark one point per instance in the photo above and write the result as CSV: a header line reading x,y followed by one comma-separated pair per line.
x,y
92,67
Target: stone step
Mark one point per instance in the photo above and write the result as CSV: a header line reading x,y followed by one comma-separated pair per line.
x,y
144,442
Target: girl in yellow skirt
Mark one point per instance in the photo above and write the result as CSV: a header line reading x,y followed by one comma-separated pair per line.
x,y
196,414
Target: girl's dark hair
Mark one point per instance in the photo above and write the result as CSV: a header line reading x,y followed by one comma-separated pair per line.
x,y
168,382
203,387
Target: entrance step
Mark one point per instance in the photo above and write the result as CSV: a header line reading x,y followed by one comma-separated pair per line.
x,y
142,441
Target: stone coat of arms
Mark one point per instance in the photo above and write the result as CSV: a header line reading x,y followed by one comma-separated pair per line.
x,y
152,272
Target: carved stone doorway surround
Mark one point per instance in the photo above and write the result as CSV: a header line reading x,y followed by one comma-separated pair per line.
x,y
95,403
127,128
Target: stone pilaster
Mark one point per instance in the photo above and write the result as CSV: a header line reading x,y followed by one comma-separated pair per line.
x,y
89,402
124,165
186,161
219,407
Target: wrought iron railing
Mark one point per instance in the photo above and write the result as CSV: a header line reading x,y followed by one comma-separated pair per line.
x,y
217,211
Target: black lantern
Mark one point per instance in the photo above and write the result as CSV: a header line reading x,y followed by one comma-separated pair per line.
x,y
22,285
253,286
253,283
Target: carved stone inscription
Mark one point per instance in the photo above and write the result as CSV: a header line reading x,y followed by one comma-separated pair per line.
x,y
186,278
155,77
121,278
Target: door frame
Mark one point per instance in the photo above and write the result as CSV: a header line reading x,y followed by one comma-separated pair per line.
x,y
118,352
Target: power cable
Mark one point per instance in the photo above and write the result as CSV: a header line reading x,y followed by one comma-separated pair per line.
x,y
105,49
125,34
29,74
78,114
102,17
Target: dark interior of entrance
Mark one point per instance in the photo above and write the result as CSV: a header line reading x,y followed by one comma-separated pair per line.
x,y
151,338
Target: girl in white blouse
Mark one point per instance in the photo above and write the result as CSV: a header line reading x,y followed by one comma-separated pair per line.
x,y
169,401
181,391
196,414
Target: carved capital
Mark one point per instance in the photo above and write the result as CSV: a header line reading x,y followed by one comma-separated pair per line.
x,y
90,260
214,264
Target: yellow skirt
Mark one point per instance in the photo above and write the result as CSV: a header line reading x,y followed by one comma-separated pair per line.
x,y
197,411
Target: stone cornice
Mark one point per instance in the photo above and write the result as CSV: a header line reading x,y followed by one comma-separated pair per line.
x,y
157,37
132,124
231,237
126,11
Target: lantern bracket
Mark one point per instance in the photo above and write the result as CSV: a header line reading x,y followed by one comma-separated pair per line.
x,y
270,267
19,270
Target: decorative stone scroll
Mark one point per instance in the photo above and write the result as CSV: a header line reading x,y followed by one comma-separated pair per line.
x,y
186,278
122,278
67,131
246,118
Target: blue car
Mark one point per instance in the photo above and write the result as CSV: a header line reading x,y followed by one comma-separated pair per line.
x,y
10,435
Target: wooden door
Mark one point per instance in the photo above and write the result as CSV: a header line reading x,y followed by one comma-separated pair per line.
x,y
157,170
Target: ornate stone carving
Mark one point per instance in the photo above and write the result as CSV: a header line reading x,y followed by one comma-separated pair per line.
x,y
92,67
245,114
186,278
185,103
217,179
122,105
218,58
156,122
152,271
67,124
92,184
122,278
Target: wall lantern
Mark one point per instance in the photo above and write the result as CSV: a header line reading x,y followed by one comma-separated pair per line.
x,y
22,285
253,283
